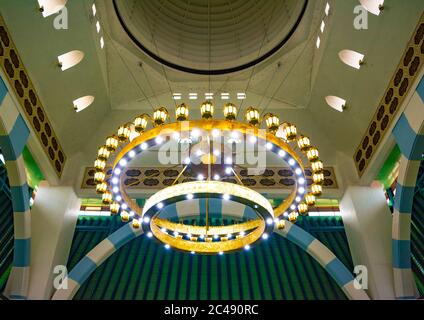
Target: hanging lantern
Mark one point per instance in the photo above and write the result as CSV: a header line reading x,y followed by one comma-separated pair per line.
x,y
107,198
112,143
318,178
289,131
181,112
302,208
114,208
125,217
193,238
124,132
293,216
272,122
317,166
316,189
310,199
136,223
281,224
303,143
230,111
312,154
103,153
206,110
99,177
252,116
101,188
99,165
140,123
160,116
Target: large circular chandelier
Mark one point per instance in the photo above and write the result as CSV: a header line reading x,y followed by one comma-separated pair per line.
x,y
209,148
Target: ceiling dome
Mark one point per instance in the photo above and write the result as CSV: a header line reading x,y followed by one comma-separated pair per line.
x,y
205,36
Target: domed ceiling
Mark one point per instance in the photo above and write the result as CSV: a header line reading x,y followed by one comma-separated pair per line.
x,y
205,36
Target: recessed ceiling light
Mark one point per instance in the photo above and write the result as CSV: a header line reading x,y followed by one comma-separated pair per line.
x,y
94,9
176,96
241,96
322,28
327,9
318,43
82,103
102,43
192,96
98,26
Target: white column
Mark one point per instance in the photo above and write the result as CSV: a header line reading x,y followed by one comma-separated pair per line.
x,y
368,224
54,217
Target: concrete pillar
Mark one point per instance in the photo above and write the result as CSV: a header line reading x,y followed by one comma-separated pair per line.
x,y
368,225
54,217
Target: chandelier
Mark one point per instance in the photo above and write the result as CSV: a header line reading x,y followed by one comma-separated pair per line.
x,y
132,140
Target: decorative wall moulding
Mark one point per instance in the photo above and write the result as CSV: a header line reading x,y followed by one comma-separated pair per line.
x,y
24,90
399,87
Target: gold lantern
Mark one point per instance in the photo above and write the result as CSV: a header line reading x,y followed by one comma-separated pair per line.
x,y
114,208
99,177
272,122
281,224
312,154
103,153
112,143
316,189
293,216
101,188
107,198
125,216
206,110
230,111
140,123
99,165
302,208
310,199
193,238
317,166
136,223
124,132
318,178
160,116
303,143
289,131
181,112
252,116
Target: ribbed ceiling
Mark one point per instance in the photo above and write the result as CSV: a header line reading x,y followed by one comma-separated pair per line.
x,y
210,35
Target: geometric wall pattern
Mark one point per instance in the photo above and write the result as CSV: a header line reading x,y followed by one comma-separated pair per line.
x,y
393,98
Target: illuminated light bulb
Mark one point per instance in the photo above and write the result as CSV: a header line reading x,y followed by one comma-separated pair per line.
x,y
146,219
265,236
302,208
216,153
176,233
301,190
159,140
228,160
123,162
136,223
293,216
192,252
117,171
312,154
124,206
229,235
200,177
114,208
292,162
253,139
190,196
301,180
187,160
124,132
292,207
216,177
269,146
228,170
317,166
298,171
269,221
226,196
101,188
115,190
230,111
163,230
289,131
221,253
115,180
149,234
99,177
118,198
132,154
216,236
310,199
272,122
160,205
125,217
316,189
207,110
167,247
216,133
282,153
247,247
144,146
298,199
242,233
